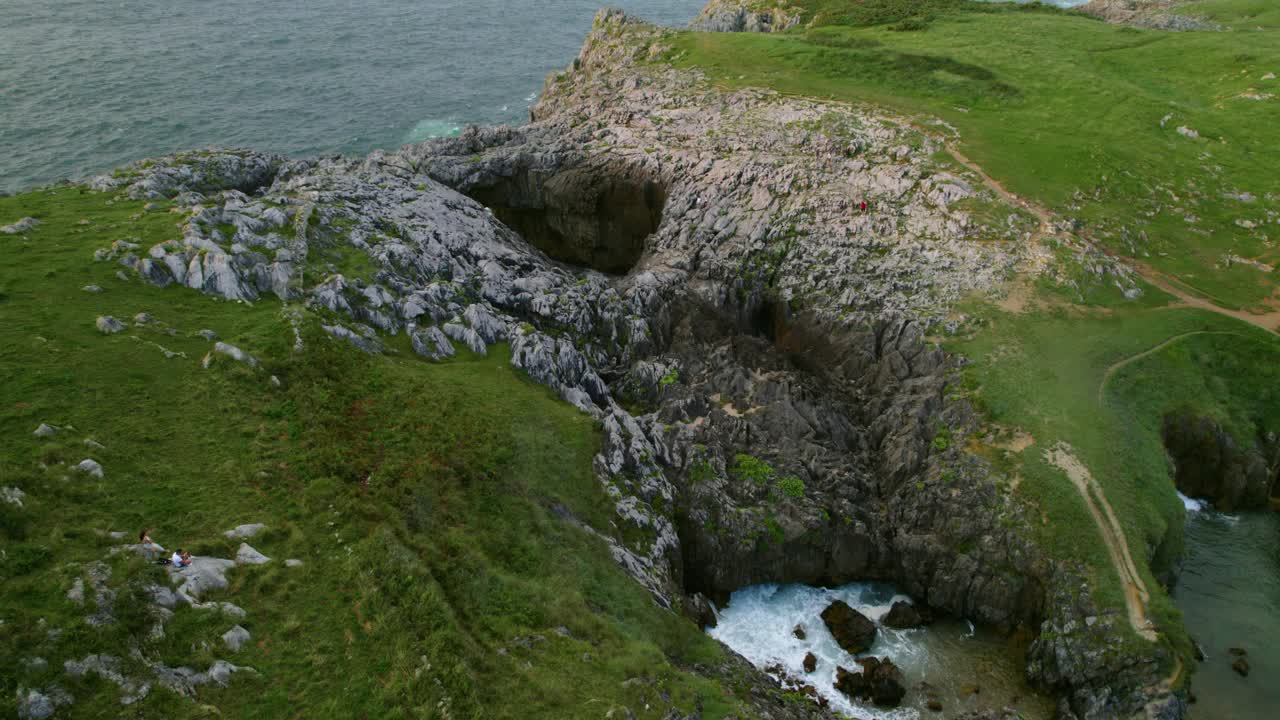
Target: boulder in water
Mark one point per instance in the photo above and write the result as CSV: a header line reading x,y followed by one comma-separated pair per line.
x,y
799,632
851,629
902,615
810,662
880,682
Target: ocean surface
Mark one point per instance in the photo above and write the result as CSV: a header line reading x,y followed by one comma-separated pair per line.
x,y
89,85
1229,594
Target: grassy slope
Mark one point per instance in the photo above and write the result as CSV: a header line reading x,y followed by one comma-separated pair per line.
x,y
417,494
1066,110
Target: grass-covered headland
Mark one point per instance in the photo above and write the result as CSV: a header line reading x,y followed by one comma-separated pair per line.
x,y
437,579
1154,147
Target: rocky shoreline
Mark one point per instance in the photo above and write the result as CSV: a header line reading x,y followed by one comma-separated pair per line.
x,y
701,278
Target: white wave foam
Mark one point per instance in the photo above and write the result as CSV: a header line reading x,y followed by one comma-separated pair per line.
x,y
1193,505
431,128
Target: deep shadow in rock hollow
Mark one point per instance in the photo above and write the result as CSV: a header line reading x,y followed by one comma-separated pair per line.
x,y
583,216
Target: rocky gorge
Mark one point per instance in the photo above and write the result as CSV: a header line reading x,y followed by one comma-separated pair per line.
x,y
694,268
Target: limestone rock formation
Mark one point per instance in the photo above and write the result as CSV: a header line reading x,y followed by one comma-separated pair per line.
x,y
1208,462
740,16
704,263
1153,14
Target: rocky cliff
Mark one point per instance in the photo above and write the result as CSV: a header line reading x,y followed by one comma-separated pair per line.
x,y
695,268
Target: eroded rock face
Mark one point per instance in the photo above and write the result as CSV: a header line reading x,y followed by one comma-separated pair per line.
x,y
752,310
1209,463
585,218
1153,14
741,16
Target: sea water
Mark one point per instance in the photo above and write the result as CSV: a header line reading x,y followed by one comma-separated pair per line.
x,y
1229,594
88,85
964,666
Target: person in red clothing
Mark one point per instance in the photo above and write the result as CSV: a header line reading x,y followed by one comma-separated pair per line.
x,y
863,207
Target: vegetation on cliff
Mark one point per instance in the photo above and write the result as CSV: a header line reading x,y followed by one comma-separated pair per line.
x,y
1149,146
424,499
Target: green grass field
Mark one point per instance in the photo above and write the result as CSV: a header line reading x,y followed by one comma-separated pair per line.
x,y
1077,114
418,496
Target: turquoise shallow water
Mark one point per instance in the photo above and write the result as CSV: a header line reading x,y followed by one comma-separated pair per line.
x,y
87,85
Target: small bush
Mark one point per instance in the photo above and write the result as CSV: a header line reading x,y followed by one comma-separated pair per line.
x,y
23,558
747,467
791,486
913,24
671,378
942,440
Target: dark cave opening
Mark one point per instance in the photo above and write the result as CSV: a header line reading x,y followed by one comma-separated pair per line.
x,y
582,216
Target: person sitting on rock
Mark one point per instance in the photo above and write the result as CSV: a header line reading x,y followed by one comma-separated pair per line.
x,y
181,558
150,547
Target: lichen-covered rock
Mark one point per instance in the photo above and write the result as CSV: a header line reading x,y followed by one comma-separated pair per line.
x,y
108,325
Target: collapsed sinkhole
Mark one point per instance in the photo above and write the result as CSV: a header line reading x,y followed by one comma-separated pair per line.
x,y
590,217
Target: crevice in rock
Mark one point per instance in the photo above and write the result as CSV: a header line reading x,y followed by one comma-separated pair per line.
x,y
1209,463
589,217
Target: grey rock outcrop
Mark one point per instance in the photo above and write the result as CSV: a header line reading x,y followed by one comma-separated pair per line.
x,y
21,226
202,575
1152,14
89,466
231,351
108,325
244,532
45,431
110,668
12,495
246,555
34,705
235,637
743,16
